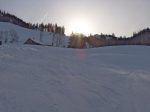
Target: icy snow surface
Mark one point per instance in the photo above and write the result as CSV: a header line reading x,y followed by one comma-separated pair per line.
x,y
49,79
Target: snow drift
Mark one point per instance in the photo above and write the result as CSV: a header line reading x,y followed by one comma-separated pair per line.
x,y
46,79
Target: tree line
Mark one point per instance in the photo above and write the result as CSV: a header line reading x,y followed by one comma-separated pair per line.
x,y
78,40
6,17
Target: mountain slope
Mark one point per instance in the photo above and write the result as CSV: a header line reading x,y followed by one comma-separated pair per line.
x,y
7,30
46,79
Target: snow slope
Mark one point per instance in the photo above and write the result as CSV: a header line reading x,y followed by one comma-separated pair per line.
x,y
24,34
48,79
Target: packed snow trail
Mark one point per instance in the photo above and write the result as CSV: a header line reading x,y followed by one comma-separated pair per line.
x,y
48,79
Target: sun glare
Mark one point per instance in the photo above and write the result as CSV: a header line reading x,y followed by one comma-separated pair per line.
x,y
80,25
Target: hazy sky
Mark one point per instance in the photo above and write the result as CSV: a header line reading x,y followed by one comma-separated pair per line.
x,y
122,17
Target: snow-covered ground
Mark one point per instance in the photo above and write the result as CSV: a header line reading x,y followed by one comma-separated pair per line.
x,y
48,79
7,31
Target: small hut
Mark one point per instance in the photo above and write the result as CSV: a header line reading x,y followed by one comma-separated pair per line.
x,y
32,42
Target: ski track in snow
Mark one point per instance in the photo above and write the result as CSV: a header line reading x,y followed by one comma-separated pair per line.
x,y
49,79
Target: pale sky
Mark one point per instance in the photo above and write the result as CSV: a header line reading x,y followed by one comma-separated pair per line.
x,y
122,17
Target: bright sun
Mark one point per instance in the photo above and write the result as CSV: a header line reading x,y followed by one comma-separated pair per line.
x,y
80,25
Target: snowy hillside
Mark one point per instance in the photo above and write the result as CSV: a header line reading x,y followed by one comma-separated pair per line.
x,y
46,79
7,30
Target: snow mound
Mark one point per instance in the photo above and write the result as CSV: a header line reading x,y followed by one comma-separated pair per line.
x,y
47,79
